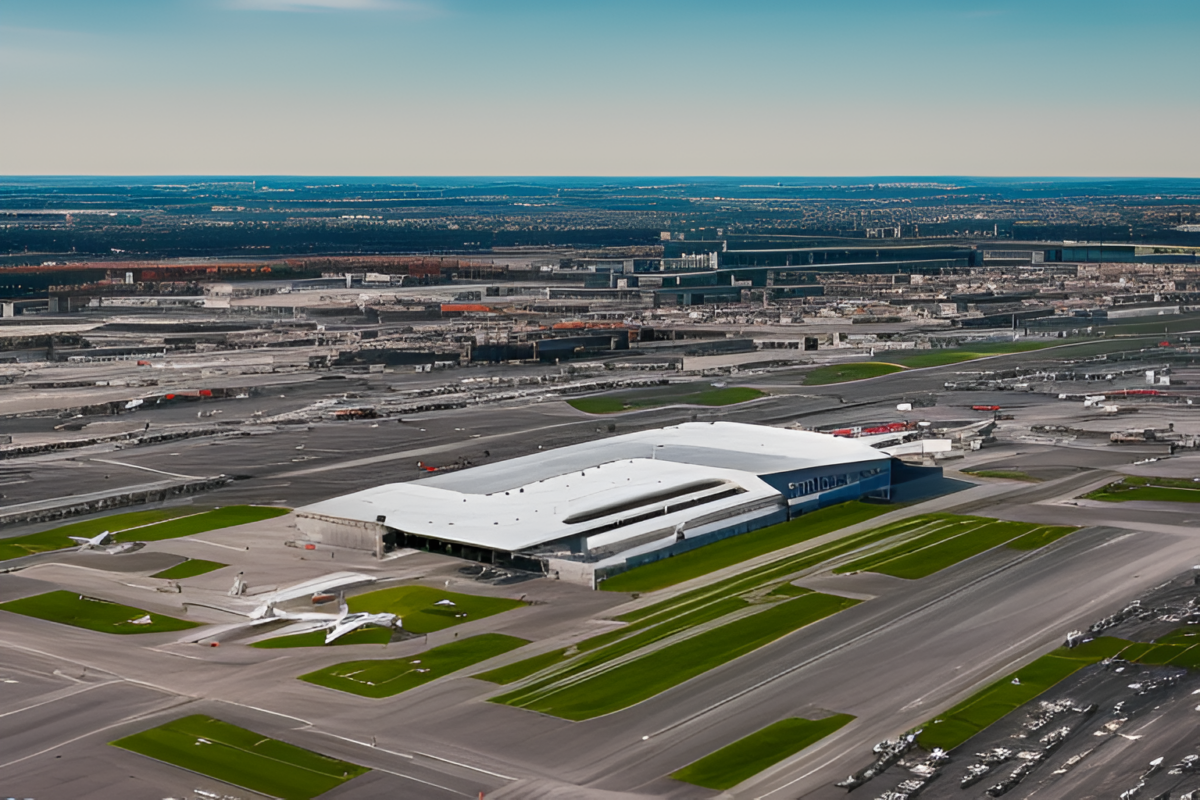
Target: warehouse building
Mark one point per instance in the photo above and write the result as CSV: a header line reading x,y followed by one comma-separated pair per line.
x,y
590,510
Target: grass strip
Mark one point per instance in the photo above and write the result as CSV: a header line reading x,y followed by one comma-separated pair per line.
x,y
1188,659
788,590
243,758
1189,635
71,608
385,678
899,360
614,644
639,679
1161,654
522,669
1171,483
626,401
655,628
950,551
1007,474
916,359
947,539
1040,537
749,756
213,520
372,635
736,549
931,530
853,371
58,538
188,569
993,702
418,612
1156,490
773,571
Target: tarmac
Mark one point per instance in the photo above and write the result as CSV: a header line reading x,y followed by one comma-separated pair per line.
x,y
911,649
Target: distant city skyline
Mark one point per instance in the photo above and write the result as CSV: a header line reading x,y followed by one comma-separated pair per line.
x,y
618,88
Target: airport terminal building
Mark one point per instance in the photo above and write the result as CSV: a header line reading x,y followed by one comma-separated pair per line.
x,y
590,510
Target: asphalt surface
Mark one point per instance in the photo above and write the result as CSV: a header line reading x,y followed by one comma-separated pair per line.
x,y
911,649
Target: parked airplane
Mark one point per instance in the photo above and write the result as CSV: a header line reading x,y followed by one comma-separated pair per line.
x,y
93,542
347,622
336,625
295,604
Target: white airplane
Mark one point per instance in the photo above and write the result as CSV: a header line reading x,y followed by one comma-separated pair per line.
x,y
92,542
316,589
347,622
337,626
294,604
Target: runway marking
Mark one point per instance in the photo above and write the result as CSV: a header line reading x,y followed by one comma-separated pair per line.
x,y
147,469
64,659
401,755
179,655
361,744
118,723
802,777
216,544
304,722
465,766
61,695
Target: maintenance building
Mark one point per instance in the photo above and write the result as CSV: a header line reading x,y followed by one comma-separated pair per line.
x,y
590,510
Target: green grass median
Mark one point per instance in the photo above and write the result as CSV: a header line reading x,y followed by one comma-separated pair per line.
x,y
150,525
1160,490
511,673
942,540
241,757
851,371
989,705
1005,474
418,610
749,756
189,569
58,538
612,688
899,360
204,522
774,572
590,653
665,395
1179,648
941,356
735,549
81,611
387,677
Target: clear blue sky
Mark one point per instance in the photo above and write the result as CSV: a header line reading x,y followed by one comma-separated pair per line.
x,y
608,87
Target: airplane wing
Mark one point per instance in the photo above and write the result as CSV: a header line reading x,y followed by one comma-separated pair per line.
x,y
340,630
92,541
356,621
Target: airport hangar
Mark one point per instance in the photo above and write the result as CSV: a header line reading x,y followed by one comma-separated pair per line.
x,y
587,511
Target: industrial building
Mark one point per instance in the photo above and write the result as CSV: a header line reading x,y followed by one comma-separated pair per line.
x,y
590,510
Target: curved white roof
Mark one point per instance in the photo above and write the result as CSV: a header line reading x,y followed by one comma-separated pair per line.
x,y
760,449
661,479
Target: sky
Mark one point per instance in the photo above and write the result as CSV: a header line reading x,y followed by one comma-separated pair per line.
x,y
599,87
